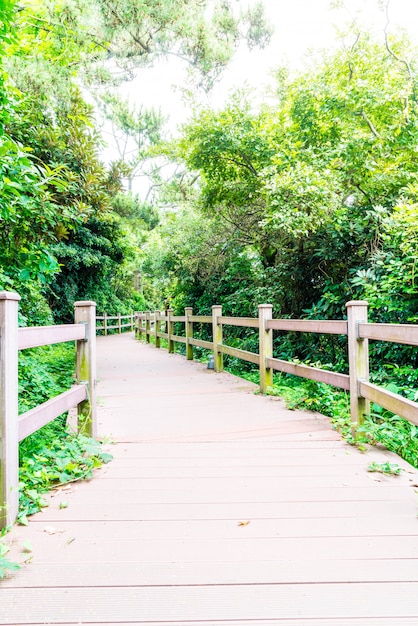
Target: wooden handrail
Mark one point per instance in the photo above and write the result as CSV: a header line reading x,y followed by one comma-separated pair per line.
x,y
396,333
35,336
14,428
33,420
356,328
119,326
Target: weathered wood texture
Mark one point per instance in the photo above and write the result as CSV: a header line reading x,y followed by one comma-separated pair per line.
x,y
85,313
313,373
331,327
33,420
14,428
201,343
201,319
220,507
244,355
243,322
396,333
390,401
265,346
34,336
358,360
9,481
119,326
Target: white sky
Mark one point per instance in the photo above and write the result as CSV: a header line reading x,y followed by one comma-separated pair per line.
x,y
301,26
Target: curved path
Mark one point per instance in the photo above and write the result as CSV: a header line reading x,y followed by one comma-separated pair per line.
x,y
220,507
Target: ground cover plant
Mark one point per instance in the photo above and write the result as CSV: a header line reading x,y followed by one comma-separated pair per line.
x,y
54,455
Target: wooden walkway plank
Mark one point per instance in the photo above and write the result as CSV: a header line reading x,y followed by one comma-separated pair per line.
x,y
220,507
217,602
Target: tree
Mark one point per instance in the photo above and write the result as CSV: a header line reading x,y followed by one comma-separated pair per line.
x,y
318,191
204,33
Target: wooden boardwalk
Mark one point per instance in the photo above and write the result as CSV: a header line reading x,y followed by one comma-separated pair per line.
x,y
220,508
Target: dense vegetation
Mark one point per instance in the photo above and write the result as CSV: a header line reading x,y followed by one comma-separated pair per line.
x,y
305,203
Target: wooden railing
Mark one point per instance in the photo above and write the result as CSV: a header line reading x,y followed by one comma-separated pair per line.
x,y
356,328
115,322
14,427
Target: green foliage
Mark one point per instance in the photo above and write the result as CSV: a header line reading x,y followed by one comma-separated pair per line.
x,y
305,204
385,468
394,432
44,373
5,564
48,461
92,268
50,456
202,33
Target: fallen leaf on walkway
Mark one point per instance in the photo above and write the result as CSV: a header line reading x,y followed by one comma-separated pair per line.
x,y
52,531
70,540
244,523
27,546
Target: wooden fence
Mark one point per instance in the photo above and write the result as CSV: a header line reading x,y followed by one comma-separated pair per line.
x,y
115,322
14,427
356,328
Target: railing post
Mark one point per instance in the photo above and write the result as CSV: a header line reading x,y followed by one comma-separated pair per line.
x,y
105,323
170,330
119,324
265,313
9,435
132,318
188,311
358,359
147,326
157,326
217,338
85,312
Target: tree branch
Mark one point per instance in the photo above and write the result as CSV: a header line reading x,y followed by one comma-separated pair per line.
x,y
389,49
369,123
247,165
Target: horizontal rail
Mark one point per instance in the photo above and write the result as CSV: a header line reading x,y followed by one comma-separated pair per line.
x,y
201,343
313,373
390,401
201,319
239,354
178,318
112,317
244,322
35,336
178,338
396,333
329,327
41,415
161,335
